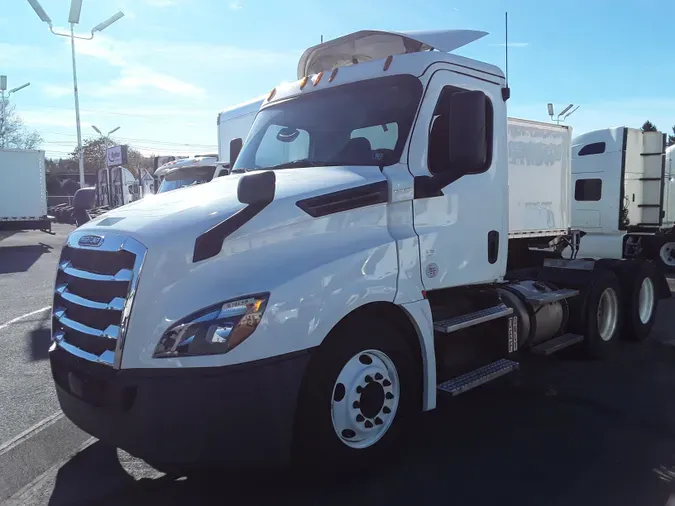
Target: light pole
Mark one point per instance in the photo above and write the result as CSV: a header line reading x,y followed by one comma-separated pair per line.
x,y
4,98
105,159
73,19
564,113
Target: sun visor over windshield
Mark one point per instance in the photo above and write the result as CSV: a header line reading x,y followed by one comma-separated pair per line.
x,y
366,45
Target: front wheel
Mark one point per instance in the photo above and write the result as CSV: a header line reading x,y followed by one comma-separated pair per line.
x,y
361,387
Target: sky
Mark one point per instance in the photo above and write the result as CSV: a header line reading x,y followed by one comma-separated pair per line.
x,y
164,71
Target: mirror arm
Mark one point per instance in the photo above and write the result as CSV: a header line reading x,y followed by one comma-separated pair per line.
x,y
432,186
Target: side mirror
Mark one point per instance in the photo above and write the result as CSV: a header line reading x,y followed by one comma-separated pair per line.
x,y
257,189
235,149
468,132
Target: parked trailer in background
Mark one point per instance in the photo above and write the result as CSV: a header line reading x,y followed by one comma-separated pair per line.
x,y
363,263
235,122
624,195
23,190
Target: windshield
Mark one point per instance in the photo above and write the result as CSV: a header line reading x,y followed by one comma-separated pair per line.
x,y
186,177
362,123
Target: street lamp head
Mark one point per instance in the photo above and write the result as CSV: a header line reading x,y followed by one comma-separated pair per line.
x,y
113,130
19,88
102,26
565,110
3,83
75,9
97,130
550,109
40,11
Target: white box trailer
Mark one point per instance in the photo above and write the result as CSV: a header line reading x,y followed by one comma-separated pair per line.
x,y
23,191
235,122
540,172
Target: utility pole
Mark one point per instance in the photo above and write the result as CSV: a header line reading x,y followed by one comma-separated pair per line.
x,y
4,99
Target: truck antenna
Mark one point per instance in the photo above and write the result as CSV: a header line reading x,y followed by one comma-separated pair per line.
x,y
322,39
506,45
506,91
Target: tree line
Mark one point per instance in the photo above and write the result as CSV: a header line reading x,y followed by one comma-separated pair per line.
x,y
648,126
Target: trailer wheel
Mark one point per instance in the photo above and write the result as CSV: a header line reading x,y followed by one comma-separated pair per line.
x,y
603,314
361,387
667,255
640,301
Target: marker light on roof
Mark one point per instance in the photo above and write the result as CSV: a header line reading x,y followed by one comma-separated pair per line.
x,y
271,95
332,75
317,78
387,62
303,82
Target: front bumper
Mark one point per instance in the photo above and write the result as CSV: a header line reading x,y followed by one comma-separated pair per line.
x,y
234,416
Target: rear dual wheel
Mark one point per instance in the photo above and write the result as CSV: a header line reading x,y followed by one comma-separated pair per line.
x,y
640,301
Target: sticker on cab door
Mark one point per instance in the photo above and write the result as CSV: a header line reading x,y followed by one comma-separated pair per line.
x,y
432,270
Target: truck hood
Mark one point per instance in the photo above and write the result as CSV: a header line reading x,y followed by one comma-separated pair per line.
x,y
185,213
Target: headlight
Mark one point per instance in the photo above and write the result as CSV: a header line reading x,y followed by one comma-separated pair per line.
x,y
213,330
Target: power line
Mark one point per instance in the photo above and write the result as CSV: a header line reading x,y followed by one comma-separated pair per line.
x,y
133,139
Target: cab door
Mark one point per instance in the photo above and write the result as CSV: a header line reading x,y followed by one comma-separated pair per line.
x,y
462,226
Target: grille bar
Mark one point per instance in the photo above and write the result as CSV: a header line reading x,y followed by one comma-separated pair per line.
x,y
123,275
107,357
117,304
92,304
111,331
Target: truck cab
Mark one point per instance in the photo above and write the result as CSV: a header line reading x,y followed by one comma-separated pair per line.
x,y
353,267
191,171
623,195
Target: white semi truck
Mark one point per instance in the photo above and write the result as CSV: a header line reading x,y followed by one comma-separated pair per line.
x,y
371,255
23,190
624,195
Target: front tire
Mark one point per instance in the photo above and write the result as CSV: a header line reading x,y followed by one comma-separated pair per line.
x,y
361,387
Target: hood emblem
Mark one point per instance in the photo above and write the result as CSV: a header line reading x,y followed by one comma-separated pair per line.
x,y
90,240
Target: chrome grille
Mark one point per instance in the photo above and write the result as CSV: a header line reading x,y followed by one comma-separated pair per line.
x,y
95,287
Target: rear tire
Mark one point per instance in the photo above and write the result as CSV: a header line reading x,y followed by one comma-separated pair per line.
x,y
361,388
667,256
640,300
602,314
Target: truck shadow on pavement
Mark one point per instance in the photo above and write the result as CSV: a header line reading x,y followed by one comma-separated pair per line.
x,y
561,432
21,258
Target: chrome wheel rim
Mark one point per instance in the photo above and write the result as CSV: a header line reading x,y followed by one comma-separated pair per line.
x,y
365,399
646,300
608,312
667,254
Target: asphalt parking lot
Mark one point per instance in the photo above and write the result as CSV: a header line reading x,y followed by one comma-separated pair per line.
x,y
560,432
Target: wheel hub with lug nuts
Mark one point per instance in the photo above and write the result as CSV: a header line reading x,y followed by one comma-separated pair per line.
x,y
365,399
667,254
607,315
646,300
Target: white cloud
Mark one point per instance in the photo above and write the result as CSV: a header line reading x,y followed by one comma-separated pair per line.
x,y
18,56
139,79
235,6
56,90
